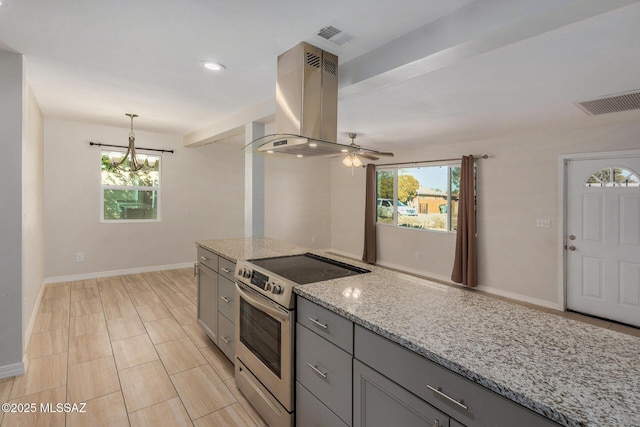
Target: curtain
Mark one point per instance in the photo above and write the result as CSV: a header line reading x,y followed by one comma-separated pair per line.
x,y
369,253
465,267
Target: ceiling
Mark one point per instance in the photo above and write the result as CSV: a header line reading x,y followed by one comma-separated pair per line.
x,y
415,72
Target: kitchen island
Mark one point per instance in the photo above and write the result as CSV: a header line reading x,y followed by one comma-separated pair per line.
x,y
573,373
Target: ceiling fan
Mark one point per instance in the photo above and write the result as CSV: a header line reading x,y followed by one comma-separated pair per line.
x,y
355,150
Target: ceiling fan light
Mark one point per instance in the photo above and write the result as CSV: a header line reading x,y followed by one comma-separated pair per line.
x,y
347,161
356,162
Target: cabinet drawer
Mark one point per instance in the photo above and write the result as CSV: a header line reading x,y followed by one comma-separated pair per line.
x,y
226,337
379,402
310,412
415,373
226,297
327,324
325,370
208,258
226,268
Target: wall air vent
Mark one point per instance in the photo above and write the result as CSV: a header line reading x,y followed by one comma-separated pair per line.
x,y
334,35
611,103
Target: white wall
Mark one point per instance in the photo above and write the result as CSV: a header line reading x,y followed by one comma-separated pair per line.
x,y
516,185
33,256
201,190
11,105
298,201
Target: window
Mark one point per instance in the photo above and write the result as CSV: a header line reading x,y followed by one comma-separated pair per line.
x,y
419,197
613,177
130,196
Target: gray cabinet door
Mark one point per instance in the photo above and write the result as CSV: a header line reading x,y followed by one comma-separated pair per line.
x,y
379,402
325,370
208,301
310,412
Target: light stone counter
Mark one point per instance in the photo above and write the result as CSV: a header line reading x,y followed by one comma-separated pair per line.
x,y
571,372
250,248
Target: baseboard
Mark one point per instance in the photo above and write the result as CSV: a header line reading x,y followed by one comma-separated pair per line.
x,y
14,370
522,298
98,275
32,321
447,281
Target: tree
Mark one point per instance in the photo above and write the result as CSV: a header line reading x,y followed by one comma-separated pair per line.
x,y
385,184
407,187
455,179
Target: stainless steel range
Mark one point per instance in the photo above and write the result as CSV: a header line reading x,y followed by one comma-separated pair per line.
x,y
265,325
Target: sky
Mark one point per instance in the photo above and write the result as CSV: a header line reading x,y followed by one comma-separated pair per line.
x,y
433,177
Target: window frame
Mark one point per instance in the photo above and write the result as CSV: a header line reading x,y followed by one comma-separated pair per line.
x,y
158,198
396,174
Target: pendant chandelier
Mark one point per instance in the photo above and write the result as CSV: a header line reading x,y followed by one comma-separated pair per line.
x,y
130,162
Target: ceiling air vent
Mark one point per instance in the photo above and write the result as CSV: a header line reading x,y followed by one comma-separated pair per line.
x,y
334,35
611,103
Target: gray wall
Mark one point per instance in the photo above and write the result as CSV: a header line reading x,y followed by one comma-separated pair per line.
x,y
202,197
11,70
32,209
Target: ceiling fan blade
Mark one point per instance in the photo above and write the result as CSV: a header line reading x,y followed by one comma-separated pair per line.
x,y
368,156
384,153
374,152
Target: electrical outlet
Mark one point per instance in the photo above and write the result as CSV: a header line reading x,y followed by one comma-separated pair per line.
x,y
313,239
543,223
417,255
79,256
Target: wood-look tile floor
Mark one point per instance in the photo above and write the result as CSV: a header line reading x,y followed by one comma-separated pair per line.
x,y
130,348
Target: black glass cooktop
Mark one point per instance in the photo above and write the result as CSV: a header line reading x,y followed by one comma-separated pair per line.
x,y
307,268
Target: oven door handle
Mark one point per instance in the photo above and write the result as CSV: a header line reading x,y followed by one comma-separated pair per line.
x,y
278,313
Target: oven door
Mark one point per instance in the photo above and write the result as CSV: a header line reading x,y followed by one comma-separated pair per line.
x,y
264,332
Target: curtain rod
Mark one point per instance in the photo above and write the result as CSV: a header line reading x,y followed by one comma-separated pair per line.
x,y
124,146
484,156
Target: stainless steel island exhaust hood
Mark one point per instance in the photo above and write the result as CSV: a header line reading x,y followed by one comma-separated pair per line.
x,y
307,108
306,105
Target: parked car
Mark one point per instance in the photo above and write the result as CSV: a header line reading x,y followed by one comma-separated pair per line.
x,y
385,208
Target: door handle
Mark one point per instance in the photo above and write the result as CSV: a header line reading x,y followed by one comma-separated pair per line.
x,y
572,248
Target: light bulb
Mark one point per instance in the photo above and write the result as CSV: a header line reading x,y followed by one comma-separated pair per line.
x,y
347,162
356,161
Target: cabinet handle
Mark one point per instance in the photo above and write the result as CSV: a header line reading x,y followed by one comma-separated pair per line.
x,y
195,269
322,325
204,258
225,299
459,403
436,424
225,339
226,270
317,371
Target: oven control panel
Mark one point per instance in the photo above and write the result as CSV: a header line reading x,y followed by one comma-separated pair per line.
x,y
272,287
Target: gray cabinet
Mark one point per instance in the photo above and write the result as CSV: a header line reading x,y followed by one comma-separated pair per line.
x,y
466,401
208,301
216,300
310,412
324,343
379,402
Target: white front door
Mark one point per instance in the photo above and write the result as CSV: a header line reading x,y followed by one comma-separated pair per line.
x,y
603,238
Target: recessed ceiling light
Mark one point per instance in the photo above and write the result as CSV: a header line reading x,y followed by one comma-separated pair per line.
x,y
344,150
313,144
213,66
270,151
299,155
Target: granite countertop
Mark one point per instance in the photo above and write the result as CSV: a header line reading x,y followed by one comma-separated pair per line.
x,y
571,372
250,248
